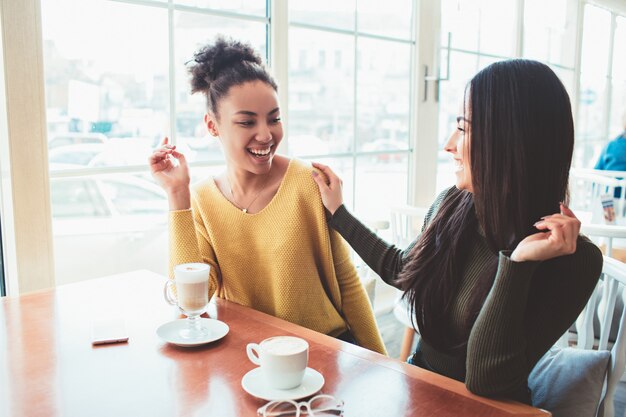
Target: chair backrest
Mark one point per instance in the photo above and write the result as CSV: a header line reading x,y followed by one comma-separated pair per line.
x,y
608,232
406,222
610,287
587,186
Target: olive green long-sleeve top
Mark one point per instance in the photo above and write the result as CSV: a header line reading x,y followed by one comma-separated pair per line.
x,y
530,305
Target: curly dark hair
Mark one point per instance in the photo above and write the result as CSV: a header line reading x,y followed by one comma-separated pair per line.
x,y
218,66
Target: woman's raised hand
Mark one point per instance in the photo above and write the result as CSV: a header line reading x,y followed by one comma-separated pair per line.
x,y
169,169
330,187
557,238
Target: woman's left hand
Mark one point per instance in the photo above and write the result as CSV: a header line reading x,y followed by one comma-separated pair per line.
x,y
558,238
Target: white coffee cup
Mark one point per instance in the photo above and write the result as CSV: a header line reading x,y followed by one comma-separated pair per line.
x,y
283,360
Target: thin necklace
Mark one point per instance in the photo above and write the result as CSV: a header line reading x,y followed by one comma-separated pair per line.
x,y
239,206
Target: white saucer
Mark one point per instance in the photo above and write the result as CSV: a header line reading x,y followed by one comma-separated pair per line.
x,y
253,384
170,332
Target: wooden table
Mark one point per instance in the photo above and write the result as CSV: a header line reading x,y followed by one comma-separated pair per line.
x,y
49,368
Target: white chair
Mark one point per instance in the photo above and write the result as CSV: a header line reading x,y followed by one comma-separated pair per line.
x,y
613,283
406,223
608,232
584,324
588,185
367,276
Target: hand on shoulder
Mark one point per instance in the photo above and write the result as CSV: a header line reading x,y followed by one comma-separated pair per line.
x,y
330,186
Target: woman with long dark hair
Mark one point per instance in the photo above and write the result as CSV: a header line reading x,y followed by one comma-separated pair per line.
x,y
499,271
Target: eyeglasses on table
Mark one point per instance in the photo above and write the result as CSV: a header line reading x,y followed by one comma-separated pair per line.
x,y
319,406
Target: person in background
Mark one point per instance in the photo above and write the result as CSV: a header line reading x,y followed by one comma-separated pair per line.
x,y
499,271
613,156
260,224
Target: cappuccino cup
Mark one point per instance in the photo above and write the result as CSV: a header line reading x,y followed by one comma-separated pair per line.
x,y
192,288
283,360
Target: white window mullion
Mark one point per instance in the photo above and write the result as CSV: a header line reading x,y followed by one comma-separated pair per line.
x,y
425,114
278,45
519,41
172,71
609,79
355,109
580,21
28,194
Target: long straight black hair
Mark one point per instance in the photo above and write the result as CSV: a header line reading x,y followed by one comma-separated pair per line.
x,y
521,144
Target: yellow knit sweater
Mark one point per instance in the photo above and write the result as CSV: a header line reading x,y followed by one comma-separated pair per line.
x,y
283,260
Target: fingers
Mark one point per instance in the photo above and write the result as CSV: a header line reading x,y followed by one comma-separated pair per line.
x,y
181,158
333,180
562,235
566,211
157,156
320,182
164,152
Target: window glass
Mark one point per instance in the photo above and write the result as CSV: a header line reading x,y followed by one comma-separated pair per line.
x,y
549,31
497,27
326,13
618,92
486,26
321,98
119,218
250,7
397,15
112,80
134,197
193,31
381,183
567,77
595,47
383,95
79,155
76,198
461,20
592,99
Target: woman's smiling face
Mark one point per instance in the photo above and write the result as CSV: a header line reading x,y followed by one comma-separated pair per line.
x,y
249,126
458,145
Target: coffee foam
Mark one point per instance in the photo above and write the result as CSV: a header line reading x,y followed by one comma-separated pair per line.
x,y
191,273
284,345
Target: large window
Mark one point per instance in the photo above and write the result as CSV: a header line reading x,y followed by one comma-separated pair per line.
x,y
116,83
114,92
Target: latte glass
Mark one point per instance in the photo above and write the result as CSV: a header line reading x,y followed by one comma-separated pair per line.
x,y
190,292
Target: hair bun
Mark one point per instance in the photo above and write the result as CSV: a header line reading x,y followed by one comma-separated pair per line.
x,y
212,59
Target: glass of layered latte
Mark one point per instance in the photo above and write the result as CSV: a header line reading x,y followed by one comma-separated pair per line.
x,y
189,290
